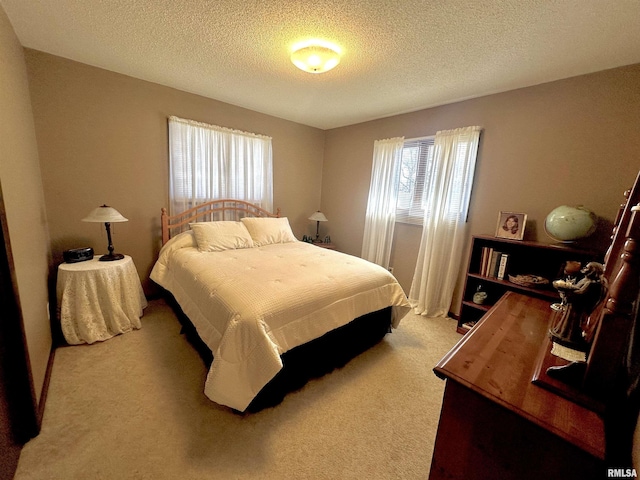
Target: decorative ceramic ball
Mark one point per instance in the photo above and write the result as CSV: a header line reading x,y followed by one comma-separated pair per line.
x,y
567,224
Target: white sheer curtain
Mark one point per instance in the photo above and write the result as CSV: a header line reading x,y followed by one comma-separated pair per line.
x,y
207,162
447,192
383,196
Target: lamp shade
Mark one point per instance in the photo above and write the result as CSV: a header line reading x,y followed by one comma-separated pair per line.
x,y
318,217
315,58
104,214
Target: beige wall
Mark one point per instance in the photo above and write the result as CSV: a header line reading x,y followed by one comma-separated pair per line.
x,y
575,141
24,202
102,138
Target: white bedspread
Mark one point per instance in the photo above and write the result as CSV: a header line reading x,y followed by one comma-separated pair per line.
x,y
251,305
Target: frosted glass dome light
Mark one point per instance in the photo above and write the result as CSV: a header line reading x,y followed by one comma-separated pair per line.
x,y
315,57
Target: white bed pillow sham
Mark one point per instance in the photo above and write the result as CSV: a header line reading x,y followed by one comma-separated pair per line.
x,y
220,236
182,240
266,231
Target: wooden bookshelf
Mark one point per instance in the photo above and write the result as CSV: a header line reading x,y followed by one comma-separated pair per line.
x,y
524,258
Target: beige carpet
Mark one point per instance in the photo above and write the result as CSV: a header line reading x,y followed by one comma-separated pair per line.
x,y
133,408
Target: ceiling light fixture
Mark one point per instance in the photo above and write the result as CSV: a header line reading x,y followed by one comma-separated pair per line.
x,y
315,56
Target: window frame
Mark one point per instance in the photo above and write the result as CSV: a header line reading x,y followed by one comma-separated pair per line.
x,y
210,162
413,214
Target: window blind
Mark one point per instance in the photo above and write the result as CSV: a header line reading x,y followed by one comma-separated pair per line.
x,y
415,171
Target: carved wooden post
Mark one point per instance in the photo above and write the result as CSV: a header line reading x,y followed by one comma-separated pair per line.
x,y
616,224
612,334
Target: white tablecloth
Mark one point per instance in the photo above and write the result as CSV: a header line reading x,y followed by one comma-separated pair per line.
x,y
98,300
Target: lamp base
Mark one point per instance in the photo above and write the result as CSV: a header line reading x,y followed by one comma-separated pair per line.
x,y
111,256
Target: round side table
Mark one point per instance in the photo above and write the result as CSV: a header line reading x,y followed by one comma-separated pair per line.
x,y
98,300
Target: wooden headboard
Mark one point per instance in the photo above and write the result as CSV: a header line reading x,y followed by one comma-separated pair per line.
x,y
223,209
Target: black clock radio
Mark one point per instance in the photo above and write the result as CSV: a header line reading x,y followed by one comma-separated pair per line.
x,y
76,255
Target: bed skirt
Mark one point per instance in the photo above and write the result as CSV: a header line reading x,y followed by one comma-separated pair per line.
x,y
312,360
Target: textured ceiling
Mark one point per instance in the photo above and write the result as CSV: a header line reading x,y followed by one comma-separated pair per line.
x,y
398,55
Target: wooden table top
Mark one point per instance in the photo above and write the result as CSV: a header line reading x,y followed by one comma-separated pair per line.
x,y
497,359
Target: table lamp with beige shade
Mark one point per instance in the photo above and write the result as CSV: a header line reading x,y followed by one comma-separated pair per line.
x,y
107,215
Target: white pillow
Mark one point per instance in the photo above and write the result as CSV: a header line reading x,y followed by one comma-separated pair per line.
x,y
219,236
182,240
160,271
265,231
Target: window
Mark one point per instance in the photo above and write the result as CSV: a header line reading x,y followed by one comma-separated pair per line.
x,y
208,162
417,171
417,162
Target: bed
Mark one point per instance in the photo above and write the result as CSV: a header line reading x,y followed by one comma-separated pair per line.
x,y
269,311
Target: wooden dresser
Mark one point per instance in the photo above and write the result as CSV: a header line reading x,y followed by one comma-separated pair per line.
x,y
495,423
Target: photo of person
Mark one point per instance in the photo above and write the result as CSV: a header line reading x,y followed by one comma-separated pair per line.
x,y
511,225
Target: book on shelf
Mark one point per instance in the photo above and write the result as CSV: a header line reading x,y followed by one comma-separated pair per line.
x,y
484,260
502,266
493,264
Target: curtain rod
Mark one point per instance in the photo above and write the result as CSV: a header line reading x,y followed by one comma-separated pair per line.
x,y
419,138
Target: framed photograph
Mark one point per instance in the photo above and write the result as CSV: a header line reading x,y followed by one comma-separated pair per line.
x,y
511,225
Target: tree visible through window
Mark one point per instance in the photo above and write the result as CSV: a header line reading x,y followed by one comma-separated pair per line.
x,y
417,163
